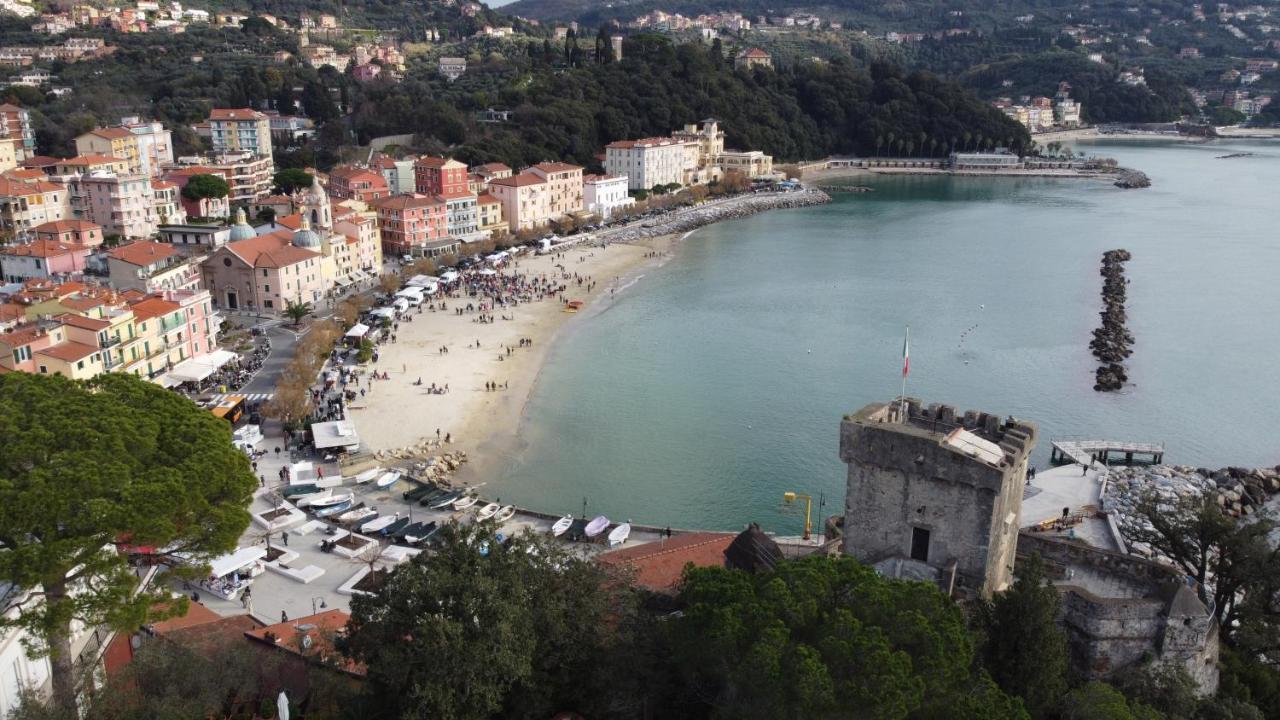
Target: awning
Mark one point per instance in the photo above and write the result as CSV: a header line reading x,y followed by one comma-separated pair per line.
x,y
339,433
167,380
413,293
387,313
218,358
421,281
190,371
358,330
238,560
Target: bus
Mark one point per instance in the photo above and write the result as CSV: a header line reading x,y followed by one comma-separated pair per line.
x,y
229,408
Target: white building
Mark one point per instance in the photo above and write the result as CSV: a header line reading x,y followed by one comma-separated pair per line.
x,y
652,161
605,195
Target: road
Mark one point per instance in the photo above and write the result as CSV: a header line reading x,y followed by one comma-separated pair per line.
x,y
283,345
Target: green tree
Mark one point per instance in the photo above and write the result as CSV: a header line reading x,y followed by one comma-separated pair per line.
x,y
296,311
1100,701
88,464
820,636
199,187
1023,648
291,180
484,629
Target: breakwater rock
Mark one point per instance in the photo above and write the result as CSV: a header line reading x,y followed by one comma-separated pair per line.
x,y
1130,179
846,188
1111,342
1238,491
696,217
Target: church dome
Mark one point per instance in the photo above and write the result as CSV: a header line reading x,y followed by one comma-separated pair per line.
x,y
240,228
305,237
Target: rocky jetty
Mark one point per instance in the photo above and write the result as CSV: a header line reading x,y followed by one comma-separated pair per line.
x,y
1239,491
1131,179
1111,342
695,217
846,188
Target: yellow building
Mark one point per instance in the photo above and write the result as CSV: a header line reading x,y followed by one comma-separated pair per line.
x,y
490,213
86,164
115,142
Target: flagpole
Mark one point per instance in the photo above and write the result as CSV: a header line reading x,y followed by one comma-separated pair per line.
x,y
905,368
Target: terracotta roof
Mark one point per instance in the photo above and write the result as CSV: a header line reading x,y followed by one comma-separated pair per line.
x,y
11,187
273,250
41,248
61,226
321,628
234,114
349,173
206,637
644,142
40,161
25,174
602,178
92,160
437,162
82,322
113,133
754,53
555,167
456,195
405,202
494,167
524,179
143,253
659,565
196,614
162,185
83,303
68,351
486,199
23,335
192,171
10,107
153,307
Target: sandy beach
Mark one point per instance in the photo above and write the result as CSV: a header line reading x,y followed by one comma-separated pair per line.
x,y
395,413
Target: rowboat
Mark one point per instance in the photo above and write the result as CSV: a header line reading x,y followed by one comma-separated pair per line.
x,y
433,496
597,526
331,500
619,534
395,527
488,511
418,535
363,514
388,479
368,475
407,530
377,524
334,509
418,493
445,500
505,514
315,498
465,502
561,526
294,491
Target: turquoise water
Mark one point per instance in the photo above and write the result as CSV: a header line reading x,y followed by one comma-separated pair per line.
x,y
718,381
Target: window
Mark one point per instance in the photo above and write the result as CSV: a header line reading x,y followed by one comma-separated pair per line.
x,y
44,370
920,544
267,303
80,365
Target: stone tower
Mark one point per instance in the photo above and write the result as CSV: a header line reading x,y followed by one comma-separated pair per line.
x,y
935,495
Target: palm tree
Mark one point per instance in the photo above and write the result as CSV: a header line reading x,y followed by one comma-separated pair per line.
x,y
933,147
879,142
967,137
296,311
889,140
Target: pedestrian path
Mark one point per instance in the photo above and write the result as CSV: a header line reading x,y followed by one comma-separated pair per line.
x,y
248,397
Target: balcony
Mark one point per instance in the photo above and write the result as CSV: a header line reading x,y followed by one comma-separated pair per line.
x,y
108,341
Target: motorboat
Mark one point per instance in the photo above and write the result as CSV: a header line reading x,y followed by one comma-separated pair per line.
x,y
388,479
597,526
316,498
445,500
561,526
331,499
296,491
620,534
505,514
377,524
418,493
395,527
465,502
488,511
363,514
368,475
334,509
417,536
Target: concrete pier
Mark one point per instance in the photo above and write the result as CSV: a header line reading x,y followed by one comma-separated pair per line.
x,y
1087,452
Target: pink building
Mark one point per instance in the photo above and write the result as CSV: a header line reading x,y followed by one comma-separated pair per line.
x,y
41,259
355,183
186,325
439,176
266,272
411,221
70,232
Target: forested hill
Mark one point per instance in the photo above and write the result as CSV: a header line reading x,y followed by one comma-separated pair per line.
x,y
810,110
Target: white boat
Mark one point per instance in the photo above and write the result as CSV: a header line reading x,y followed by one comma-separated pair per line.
x,y
330,510
314,499
465,502
358,515
562,526
505,514
379,523
488,511
597,526
388,479
619,534
368,475
332,499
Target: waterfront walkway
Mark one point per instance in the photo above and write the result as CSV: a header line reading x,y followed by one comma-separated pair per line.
x,y
1087,452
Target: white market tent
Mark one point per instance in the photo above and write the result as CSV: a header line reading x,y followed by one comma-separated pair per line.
x,y
199,368
386,312
339,433
358,330
448,276
422,281
239,560
411,293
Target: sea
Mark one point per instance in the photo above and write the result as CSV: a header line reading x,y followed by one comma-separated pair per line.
x,y
716,383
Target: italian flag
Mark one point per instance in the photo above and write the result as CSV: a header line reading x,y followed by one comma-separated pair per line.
x,y
906,357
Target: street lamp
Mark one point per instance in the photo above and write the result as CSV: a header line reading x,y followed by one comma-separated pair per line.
x,y
790,497
323,604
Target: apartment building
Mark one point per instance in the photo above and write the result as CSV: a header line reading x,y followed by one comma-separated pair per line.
x,y
85,164
489,213
462,216
15,124
240,130
651,162
439,176
146,146
152,267
524,200
249,176
564,187
123,205
409,222
605,195
398,174
25,204
347,182
70,232
41,259
361,232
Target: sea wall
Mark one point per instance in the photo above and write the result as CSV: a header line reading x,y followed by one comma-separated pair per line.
x,y
696,217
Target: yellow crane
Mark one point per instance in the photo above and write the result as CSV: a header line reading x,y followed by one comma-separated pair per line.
x,y
790,497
